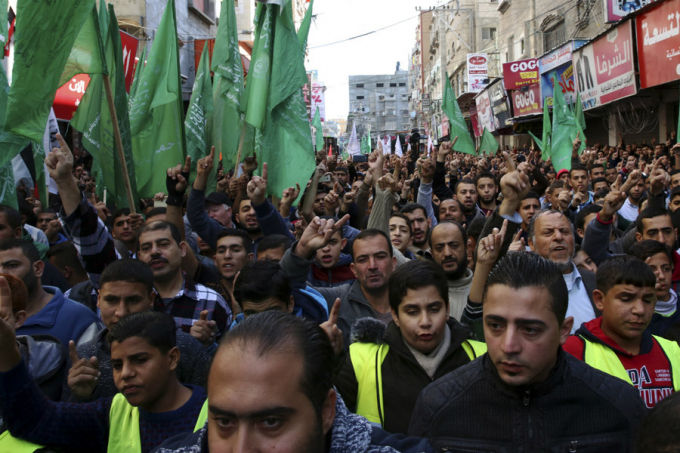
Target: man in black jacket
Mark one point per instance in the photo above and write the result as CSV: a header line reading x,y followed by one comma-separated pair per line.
x,y
526,394
381,381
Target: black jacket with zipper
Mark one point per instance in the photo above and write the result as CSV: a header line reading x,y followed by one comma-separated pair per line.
x,y
402,376
577,409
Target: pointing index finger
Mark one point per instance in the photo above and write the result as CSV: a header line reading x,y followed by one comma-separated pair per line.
x,y
72,353
509,162
335,311
264,171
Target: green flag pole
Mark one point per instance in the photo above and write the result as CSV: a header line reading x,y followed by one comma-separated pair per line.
x,y
118,141
241,139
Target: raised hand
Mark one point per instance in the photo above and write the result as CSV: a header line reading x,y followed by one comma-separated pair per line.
x,y
317,234
514,186
203,168
177,177
203,329
290,194
489,247
331,327
257,187
387,182
59,161
517,244
83,374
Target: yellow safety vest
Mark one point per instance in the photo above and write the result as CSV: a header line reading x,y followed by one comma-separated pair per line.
x,y
9,443
605,359
124,436
367,359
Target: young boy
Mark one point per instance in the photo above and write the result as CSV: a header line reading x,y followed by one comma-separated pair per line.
x,y
152,406
421,344
658,256
618,342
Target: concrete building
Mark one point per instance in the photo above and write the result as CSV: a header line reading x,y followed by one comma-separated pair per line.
x,y
380,101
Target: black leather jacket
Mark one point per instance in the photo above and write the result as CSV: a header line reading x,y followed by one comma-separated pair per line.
x,y
577,409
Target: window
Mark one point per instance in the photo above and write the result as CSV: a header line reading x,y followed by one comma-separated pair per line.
x,y
402,84
360,97
205,9
360,85
554,36
511,48
393,84
379,85
488,32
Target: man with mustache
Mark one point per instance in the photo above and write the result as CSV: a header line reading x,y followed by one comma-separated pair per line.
x,y
197,309
448,243
420,229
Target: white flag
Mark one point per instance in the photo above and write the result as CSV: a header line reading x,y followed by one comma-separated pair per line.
x,y
353,147
430,145
387,144
397,147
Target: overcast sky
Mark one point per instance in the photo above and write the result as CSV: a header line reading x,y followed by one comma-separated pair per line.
x,y
376,53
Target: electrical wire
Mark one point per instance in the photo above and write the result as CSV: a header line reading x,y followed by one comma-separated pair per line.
x,y
362,34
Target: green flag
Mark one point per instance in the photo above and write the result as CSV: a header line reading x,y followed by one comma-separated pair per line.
x,y
87,54
8,191
458,126
227,90
563,124
488,145
285,142
544,143
45,33
138,73
198,122
260,67
366,142
156,110
93,118
318,130
303,31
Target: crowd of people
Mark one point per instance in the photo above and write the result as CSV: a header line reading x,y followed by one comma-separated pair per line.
x,y
434,301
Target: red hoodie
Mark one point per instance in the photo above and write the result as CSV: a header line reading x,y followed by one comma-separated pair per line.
x,y
649,370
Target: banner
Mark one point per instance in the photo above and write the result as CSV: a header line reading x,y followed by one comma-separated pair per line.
x,y
526,101
499,104
517,74
658,44
130,45
558,64
604,68
477,72
318,100
484,112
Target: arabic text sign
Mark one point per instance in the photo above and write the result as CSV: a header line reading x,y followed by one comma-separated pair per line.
x,y
517,74
477,71
527,101
604,70
318,100
658,44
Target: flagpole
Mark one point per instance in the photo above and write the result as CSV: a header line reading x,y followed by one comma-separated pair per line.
x,y
240,146
119,142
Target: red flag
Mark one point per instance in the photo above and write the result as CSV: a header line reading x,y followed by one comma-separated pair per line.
x,y
330,150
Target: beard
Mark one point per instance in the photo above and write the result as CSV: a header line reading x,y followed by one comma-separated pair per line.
x,y
31,282
460,269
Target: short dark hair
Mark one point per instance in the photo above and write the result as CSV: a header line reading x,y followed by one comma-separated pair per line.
x,y
464,181
13,216
370,233
156,328
65,254
675,190
160,210
416,274
486,174
235,232
585,211
660,429
649,247
274,331
261,280
600,179
648,213
531,195
273,241
27,247
160,225
474,229
403,217
119,212
577,167
410,207
596,166
521,269
624,270
127,270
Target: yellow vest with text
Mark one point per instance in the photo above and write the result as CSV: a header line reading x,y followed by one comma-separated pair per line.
x,y
605,359
9,443
367,359
124,436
